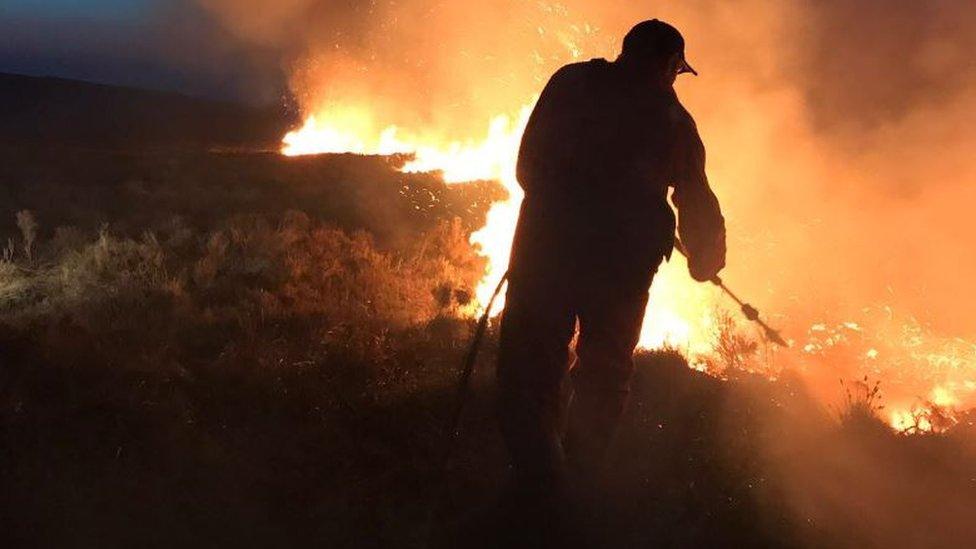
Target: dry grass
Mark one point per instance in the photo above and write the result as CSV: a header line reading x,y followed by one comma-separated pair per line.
x,y
256,352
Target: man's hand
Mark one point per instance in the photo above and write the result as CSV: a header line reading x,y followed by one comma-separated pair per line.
x,y
707,263
704,266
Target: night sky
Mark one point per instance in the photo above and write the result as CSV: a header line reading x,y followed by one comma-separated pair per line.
x,y
104,10
158,44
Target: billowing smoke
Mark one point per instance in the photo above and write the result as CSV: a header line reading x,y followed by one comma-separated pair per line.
x,y
839,137
444,67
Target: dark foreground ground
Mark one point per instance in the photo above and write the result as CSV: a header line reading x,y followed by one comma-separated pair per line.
x,y
322,454
201,349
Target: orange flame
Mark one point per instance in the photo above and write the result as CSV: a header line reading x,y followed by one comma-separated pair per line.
x,y
679,311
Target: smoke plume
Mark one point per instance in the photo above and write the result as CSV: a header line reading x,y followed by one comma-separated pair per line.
x,y
839,134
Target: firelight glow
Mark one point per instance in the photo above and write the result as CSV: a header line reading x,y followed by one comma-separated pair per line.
x,y
679,313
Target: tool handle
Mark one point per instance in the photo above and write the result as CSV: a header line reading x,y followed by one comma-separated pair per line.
x,y
750,312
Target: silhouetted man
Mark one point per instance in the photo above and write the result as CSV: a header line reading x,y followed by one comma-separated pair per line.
x,y
602,146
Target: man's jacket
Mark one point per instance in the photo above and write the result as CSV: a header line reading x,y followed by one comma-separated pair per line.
x,y
596,161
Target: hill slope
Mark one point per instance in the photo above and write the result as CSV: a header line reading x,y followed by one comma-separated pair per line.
x,y
71,112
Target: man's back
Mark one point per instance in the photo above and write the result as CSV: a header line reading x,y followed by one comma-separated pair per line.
x,y
596,161
595,135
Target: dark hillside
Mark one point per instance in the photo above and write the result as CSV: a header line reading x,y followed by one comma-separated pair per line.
x,y
131,192
69,112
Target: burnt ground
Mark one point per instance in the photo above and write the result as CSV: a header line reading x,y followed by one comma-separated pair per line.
x,y
107,458
250,456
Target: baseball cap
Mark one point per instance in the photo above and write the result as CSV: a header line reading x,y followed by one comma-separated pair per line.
x,y
655,37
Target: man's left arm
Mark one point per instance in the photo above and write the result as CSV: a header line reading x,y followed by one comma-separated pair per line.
x,y
701,225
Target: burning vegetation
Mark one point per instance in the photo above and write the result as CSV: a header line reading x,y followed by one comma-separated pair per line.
x,y
799,230
270,339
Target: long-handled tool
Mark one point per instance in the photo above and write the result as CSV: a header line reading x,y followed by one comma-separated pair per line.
x,y
748,310
464,381
463,388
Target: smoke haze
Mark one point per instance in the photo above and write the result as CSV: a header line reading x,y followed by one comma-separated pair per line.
x,y
839,134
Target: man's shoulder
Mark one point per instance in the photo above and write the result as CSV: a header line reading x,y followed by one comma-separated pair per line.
x,y
679,115
582,70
